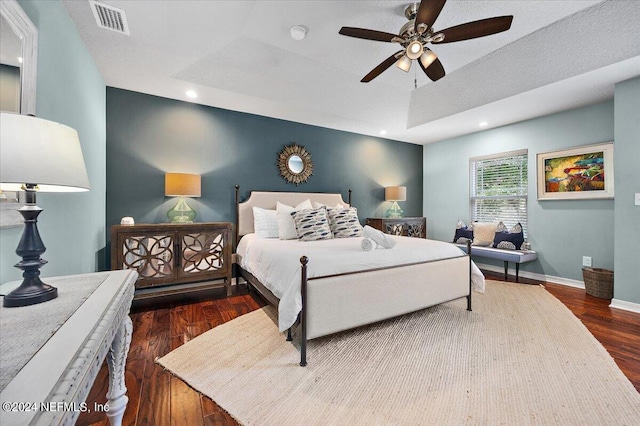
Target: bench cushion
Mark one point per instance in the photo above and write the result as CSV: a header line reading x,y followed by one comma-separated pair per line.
x,y
516,256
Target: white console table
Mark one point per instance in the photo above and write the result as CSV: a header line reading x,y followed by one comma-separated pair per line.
x,y
52,381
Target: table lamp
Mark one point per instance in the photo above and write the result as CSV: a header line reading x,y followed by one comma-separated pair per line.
x,y
395,194
37,155
181,185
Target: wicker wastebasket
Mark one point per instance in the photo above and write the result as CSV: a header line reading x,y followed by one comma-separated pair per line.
x,y
598,282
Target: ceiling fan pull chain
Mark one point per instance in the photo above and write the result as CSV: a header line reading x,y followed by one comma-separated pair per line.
x,y
415,78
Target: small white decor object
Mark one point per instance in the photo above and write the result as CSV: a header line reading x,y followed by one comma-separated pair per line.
x,y
127,220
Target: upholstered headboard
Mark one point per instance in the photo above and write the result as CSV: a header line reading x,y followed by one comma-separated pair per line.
x,y
268,200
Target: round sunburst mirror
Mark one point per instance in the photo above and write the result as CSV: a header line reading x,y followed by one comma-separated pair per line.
x,y
295,165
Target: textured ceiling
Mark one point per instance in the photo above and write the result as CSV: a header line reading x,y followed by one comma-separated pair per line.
x,y
239,55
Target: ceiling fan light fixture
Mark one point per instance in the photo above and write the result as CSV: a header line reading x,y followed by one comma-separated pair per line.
x,y
414,49
427,58
404,63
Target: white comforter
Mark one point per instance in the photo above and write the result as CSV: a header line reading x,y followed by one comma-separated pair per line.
x,y
276,263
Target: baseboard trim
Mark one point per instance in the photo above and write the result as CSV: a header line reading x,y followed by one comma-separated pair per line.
x,y
615,303
534,276
624,305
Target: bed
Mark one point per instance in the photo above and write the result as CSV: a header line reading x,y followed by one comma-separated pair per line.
x,y
333,285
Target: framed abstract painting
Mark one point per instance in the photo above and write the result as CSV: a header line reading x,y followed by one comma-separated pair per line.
x,y
584,172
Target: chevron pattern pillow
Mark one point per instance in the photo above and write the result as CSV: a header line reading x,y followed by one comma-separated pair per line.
x,y
344,223
312,224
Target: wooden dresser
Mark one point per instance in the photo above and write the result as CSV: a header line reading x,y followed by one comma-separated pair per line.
x,y
406,226
173,258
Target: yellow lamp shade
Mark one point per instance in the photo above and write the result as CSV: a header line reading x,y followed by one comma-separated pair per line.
x,y
181,184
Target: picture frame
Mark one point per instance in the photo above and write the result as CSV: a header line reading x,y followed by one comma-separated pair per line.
x,y
580,173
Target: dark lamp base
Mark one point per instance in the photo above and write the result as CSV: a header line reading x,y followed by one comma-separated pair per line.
x,y
30,292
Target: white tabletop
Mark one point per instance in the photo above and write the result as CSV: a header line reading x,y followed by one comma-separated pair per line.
x,y
64,368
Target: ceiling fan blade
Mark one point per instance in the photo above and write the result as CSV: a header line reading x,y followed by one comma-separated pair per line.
x,y
475,29
368,34
428,13
381,68
435,71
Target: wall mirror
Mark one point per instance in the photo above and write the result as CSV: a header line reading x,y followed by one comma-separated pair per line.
x,y
18,65
18,56
295,165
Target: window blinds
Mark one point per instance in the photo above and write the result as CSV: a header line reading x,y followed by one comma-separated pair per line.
x,y
499,189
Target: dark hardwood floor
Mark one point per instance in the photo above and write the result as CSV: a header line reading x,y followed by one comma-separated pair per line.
x,y
157,398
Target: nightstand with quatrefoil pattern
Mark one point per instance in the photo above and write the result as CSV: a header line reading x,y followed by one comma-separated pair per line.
x,y
405,226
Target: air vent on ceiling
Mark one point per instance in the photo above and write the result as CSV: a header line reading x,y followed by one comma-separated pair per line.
x,y
109,17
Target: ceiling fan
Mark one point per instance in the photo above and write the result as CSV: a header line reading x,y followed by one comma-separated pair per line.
x,y
418,32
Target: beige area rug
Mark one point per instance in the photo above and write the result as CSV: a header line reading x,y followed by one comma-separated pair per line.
x,y
521,357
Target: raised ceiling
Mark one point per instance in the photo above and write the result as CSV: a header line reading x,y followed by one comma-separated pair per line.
x,y
239,55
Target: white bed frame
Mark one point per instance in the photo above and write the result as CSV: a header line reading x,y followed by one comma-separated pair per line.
x,y
340,302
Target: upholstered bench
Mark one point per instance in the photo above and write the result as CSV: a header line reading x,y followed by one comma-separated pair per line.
x,y
515,256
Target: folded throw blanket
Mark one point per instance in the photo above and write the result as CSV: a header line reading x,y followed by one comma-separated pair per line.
x,y
382,239
368,244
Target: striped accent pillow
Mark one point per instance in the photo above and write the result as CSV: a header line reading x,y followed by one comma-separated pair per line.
x,y
312,224
344,223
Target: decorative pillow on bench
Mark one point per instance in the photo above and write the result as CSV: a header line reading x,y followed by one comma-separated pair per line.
x,y
508,239
483,233
463,234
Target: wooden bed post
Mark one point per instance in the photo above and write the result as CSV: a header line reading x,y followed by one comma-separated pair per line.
x,y
235,236
303,313
350,199
470,270
237,231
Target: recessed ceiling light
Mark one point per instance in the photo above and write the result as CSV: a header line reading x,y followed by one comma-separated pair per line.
x,y
483,124
191,94
383,132
298,32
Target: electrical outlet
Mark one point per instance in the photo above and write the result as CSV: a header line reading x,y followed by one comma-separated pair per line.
x,y
637,199
586,261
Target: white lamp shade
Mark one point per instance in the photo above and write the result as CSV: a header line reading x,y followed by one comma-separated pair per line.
x,y
427,58
182,184
41,152
395,193
404,63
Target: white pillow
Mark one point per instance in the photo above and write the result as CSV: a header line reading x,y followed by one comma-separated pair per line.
x,y
286,227
265,223
317,205
483,233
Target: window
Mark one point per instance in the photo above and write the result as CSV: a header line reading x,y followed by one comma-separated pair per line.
x,y
499,189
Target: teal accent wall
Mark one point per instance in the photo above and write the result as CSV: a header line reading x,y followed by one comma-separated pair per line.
x,y
149,135
626,284
71,91
560,231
